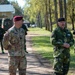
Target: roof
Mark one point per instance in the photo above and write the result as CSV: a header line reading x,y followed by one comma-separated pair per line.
x,y
7,8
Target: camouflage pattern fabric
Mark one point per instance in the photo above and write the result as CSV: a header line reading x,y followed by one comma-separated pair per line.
x,y
13,41
19,62
61,54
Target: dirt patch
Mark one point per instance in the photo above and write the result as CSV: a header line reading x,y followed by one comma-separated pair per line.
x,y
43,61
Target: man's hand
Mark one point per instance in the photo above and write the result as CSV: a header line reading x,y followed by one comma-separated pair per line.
x,y
66,45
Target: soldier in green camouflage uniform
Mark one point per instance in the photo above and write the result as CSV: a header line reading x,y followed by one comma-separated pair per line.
x,y
13,41
62,40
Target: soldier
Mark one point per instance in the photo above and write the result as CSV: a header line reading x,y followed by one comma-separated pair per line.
x,y
13,41
26,29
2,31
62,40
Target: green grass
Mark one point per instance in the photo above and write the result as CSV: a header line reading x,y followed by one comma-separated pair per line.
x,y
43,46
39,31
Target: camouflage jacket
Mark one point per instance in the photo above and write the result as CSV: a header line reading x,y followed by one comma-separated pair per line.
x,y
60,36
13,41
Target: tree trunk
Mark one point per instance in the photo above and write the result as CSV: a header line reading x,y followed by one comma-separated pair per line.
x,y
56,14
72,19
65,12
46,15
61,8
50,16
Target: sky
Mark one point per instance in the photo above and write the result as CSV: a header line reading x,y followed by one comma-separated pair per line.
x,y
20,2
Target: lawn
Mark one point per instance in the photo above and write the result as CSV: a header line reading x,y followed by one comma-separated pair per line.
x,y
43,46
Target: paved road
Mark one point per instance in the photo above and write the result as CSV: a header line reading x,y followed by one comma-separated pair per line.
x,y
34,65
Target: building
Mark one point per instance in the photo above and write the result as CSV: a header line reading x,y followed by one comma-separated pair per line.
x,y
6,11
6,14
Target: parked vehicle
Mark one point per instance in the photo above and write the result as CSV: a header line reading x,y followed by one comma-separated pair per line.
x,y
33,25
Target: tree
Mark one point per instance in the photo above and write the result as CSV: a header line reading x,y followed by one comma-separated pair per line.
x,y
71,10
35,11
46,12
61,8
50,15
18,10
4,2
65,12
72,17
56,13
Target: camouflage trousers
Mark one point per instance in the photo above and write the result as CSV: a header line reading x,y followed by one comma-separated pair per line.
x,y
61,64
17,62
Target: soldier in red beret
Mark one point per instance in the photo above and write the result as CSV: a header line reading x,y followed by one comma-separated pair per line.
x,y
13,41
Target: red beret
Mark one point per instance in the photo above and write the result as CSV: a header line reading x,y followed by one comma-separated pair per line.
x,y
17,18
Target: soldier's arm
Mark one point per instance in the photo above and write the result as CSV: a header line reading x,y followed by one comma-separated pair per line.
x,y
6,43
54,40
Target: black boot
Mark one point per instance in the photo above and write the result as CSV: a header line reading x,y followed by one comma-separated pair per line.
x,y
55,73
2,52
